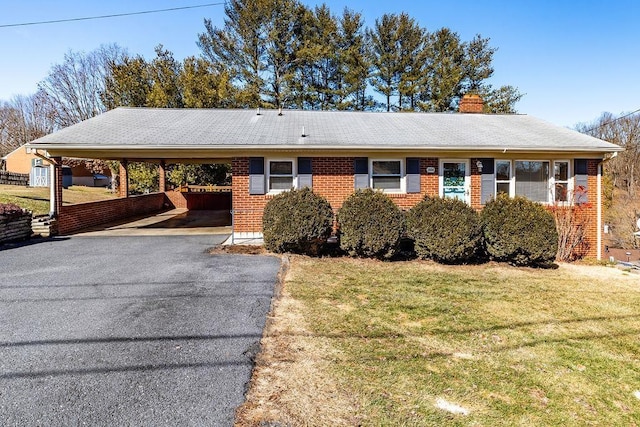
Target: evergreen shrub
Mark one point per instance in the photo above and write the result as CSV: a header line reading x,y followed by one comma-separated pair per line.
x,y
297,221
371,225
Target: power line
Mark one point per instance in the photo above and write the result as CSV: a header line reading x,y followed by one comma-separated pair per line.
x,y
116,15
611,121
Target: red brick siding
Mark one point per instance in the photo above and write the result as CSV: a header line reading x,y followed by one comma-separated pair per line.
x,y
199,201
333,179
590,210
77,217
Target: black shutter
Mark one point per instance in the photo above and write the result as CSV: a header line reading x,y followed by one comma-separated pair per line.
x,y
361,169
413,175
256,175
305,173
488,181
581,180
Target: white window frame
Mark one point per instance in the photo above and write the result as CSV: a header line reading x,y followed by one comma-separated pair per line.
x,y
403,186
467,177
568,181
294,174
511,181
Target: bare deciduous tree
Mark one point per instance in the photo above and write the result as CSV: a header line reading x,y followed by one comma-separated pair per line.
x,y
74,87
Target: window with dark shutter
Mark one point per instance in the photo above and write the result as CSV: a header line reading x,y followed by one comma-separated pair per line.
x,y
581,180
413,175
305,172
361,175
256,175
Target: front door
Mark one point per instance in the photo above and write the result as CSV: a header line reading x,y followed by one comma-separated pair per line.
x,y
454,180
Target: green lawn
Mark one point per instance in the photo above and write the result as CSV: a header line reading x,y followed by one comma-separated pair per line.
x,y
511,346
36,199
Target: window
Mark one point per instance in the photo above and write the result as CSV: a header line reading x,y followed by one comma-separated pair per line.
x,y
561,180
386,175
532,180
503,177
280,175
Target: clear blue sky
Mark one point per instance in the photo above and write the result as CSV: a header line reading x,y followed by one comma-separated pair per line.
x,y
572,59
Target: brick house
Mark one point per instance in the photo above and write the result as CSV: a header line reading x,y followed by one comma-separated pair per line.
x,y
406,155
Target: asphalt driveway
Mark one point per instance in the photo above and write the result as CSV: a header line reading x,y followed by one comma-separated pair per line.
x,y
128,330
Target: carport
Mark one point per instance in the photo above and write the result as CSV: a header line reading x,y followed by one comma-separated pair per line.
x,y
185,209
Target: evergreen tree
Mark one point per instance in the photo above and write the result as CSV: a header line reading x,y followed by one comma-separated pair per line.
x,y
445,68
164,74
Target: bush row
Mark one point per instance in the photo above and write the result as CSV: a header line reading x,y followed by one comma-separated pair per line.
x,y
513,230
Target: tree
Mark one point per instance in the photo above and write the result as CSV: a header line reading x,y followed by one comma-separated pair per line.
x,y
74,88
354,63
411,41
385,58
478,64
501,100
204,86
202,174
164,74
128,83
259,43
445,68
623,171
24,119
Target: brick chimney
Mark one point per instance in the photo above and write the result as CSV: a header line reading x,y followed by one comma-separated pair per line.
x,y
470,103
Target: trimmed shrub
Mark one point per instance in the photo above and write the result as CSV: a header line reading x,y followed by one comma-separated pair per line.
x,y
519,231
298,221
445,230
371,225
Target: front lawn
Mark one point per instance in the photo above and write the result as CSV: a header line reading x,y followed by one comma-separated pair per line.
x,y
36,199
362,342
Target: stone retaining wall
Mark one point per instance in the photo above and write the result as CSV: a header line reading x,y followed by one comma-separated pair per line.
x,y
15,227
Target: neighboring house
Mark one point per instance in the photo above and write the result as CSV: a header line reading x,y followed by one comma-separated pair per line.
x,y
24,161
20,161
407,155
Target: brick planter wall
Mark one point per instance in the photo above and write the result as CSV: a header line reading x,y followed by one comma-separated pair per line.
x,y
200,201
77,217
15,227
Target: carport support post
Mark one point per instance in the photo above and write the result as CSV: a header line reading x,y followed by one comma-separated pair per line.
x,y
123,188
55,187
161,177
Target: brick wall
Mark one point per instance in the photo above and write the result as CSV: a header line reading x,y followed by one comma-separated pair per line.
x,y
590,210
333,179
200,201
84,215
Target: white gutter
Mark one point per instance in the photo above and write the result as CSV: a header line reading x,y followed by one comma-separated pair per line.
x,y
296,147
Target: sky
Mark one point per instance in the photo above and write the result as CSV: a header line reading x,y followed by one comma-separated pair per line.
x,y
573,60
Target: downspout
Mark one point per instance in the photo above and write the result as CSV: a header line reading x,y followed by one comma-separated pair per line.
x,y
599,205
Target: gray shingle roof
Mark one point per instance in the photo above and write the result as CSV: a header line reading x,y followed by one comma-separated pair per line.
x,y
241,129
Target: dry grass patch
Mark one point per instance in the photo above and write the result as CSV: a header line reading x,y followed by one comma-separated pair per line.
x,y
36,199
361,342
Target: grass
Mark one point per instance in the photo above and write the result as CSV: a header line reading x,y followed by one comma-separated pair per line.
x,y
361,342
36,199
